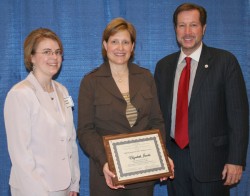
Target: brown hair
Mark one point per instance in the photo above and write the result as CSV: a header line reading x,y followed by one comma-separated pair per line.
x,y
118,24
33,39
188,7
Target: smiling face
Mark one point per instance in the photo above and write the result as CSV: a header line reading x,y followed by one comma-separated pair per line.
x,y
46,65
119,48
189,30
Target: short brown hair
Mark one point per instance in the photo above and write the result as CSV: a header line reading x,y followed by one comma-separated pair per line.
x,y
33,39
118,24
188,7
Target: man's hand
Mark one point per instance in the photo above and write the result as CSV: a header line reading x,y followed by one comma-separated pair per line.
x,y
232,174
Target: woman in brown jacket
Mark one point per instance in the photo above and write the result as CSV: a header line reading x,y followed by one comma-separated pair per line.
x,y
117,97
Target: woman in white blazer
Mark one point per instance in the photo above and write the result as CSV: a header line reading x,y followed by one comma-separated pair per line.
x,y
39,124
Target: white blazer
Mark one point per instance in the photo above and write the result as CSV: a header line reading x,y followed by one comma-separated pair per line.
x,y
41,139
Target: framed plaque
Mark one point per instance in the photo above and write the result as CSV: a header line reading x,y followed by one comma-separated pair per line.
x,y
137,157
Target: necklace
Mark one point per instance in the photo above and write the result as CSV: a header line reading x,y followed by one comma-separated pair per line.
x,y
46,87
120,77
51,94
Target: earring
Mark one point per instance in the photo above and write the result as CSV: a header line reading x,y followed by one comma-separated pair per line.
x,y
33,68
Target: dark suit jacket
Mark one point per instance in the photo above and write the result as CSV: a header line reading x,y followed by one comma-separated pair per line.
x,y
102,112
218,111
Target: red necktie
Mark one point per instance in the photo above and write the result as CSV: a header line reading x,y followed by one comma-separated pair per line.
x,y
181,121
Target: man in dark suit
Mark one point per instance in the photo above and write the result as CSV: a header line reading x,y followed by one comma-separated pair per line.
x,y
213,155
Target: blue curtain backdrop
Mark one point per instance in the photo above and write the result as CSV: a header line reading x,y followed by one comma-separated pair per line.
x,y
80,23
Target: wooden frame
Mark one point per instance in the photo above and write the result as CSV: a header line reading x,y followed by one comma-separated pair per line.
x,y
137,157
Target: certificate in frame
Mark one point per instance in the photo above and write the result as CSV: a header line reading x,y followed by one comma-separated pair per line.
x,y
137,157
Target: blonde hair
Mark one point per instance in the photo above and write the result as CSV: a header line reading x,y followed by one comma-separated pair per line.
x,y
118,24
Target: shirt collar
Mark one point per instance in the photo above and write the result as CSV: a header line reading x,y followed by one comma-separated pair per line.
x,y
195,55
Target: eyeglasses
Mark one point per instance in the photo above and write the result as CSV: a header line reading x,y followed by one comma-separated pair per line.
x,y
50,53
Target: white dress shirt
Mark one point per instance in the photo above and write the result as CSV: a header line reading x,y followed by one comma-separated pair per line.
x,y
181,64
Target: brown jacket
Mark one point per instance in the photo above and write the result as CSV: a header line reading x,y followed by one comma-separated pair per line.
x,y
101,111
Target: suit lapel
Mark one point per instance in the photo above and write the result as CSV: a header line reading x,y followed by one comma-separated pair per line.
x,y
45,100
60,100
108,83
135,82
201,72
169,81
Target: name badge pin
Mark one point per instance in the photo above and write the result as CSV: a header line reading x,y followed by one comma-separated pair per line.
x,y
69,101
